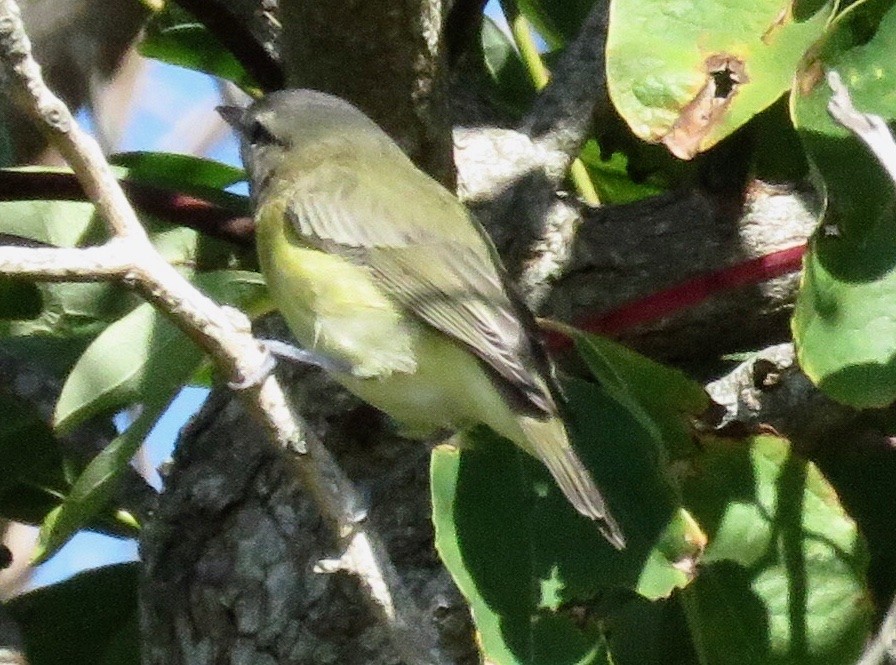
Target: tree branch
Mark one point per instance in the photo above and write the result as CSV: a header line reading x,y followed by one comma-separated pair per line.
x,y
225,223
234,33
560,120
225,337
387,58
52,264
534,159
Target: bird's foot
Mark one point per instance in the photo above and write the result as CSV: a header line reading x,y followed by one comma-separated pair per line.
x,y
276,349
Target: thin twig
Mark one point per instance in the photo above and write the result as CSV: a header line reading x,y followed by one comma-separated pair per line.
x,y
225,221
224,336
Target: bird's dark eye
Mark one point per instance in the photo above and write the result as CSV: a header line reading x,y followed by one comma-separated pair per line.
x,y
258,134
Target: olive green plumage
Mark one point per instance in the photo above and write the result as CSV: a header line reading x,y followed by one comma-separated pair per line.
x,y
378,267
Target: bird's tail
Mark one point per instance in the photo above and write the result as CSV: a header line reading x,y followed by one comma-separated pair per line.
x,y
548,441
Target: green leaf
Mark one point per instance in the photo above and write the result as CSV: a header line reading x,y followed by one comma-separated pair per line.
x,y
513,87
778,154
66,309
191,45
89,619
185,174
558,21
143,356
176,171
526,561
612,180
19,299
690,73
94,487
649,633
845,318
666,395
58,223
33,479
783,576
753,538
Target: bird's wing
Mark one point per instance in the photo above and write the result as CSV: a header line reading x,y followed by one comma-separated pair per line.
x,y
444,272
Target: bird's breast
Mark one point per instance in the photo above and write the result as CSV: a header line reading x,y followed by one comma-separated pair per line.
x,y
331,305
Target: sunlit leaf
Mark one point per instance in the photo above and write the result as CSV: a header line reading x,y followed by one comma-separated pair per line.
x,y
143,356
690,73
191,45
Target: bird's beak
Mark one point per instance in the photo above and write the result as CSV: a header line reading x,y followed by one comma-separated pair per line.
x,y
233,116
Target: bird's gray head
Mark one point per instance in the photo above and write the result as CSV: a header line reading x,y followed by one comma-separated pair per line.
x,y
296,124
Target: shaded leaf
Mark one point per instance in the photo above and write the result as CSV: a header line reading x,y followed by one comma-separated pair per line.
x,y
525,560
750,539
90,618
671,398
783,576
19,299
33,479
845,319
508,73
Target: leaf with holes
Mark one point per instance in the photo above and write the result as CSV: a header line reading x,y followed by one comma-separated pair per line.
x,y
688,74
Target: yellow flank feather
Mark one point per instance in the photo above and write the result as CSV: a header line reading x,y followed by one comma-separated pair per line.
x,y
331,305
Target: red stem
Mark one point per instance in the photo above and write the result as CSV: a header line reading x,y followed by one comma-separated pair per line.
x,y
686,295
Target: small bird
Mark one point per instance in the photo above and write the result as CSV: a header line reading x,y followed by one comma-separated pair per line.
x,y
386,276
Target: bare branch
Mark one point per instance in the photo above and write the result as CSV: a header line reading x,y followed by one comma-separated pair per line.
x,y
560,119
226,338
51,264
535,159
